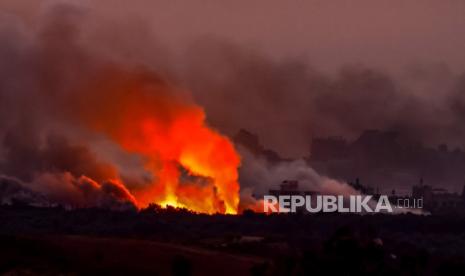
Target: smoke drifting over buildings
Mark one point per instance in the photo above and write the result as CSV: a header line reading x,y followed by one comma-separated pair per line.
x,y
385,161
49,109
288,100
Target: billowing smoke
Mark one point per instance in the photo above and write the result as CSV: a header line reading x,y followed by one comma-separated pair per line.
x,y
73,130
46,159
88,128
259,175
13,191
287,102
263,170
83,192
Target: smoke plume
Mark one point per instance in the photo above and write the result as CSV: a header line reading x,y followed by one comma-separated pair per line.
x,y
68,109
289,100
96,113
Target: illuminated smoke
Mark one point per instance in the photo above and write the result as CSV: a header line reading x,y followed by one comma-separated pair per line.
x,y
62,97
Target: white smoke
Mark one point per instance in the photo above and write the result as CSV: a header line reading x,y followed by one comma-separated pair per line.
x,y
259,176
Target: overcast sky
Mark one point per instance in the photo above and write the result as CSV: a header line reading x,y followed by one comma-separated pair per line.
x,y
387,34
416,50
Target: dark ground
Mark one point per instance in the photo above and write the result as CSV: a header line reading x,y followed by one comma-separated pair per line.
x,y
51,241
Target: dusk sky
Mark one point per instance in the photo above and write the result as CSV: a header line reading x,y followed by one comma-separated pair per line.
x,y
329,33
281,48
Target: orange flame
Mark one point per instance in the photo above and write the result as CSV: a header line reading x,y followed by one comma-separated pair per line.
x,y
145,116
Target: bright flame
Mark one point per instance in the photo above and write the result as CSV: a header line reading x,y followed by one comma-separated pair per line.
x,y
171,134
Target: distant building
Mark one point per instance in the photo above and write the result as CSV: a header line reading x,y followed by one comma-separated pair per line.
x,y
439,200
385,158
434,200
366,190
422,191
290,187
251,142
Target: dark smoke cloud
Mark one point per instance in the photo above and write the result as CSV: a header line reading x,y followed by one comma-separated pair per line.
x,y
44,151
288,102
13,191
24,157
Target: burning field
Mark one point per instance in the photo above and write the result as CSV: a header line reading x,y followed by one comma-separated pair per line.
x,y
84,124
60,98
192,165
123,155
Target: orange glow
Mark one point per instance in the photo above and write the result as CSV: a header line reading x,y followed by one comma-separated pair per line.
x,y
145,117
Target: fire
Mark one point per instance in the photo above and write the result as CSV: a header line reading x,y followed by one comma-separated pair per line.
x,y
194,166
